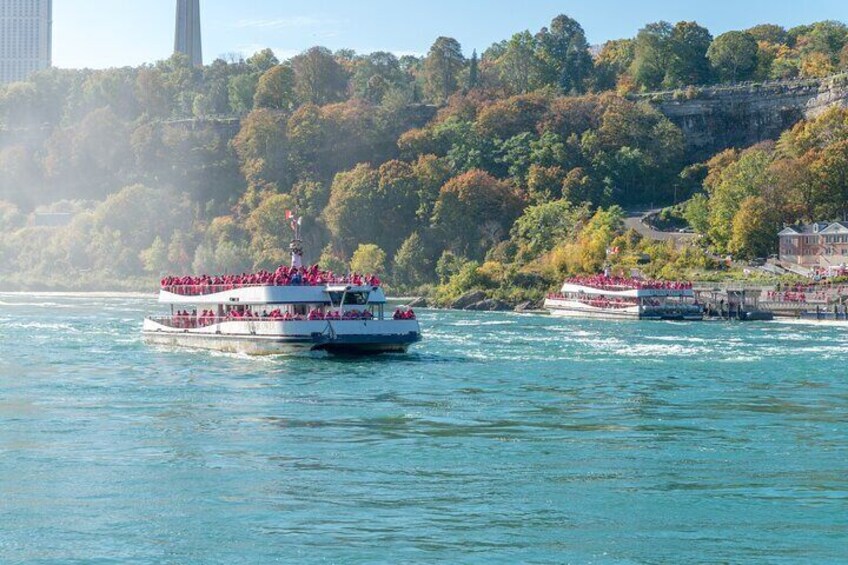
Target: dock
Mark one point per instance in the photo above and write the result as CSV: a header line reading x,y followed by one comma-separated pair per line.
x,y
754,302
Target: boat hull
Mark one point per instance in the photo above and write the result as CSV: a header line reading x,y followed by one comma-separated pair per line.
x,y
274,338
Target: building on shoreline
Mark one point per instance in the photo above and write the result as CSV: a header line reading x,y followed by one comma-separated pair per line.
x,y
187,39
26,38
818,245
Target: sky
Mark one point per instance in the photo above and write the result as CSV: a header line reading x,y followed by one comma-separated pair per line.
x,y
115,33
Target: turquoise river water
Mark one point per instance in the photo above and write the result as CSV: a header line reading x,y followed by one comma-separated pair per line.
x,y
502,438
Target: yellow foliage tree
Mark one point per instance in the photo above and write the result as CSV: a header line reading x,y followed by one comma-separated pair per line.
x,y
816,65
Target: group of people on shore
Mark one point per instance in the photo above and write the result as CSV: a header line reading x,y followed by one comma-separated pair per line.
x,y
796,296
608,282
283,276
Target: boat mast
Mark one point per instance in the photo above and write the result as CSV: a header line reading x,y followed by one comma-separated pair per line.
x,y
296,246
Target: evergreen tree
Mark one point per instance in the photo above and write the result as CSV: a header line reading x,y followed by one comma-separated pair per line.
x,y
473,71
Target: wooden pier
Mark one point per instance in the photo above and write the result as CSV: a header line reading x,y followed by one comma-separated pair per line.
x,y
749,301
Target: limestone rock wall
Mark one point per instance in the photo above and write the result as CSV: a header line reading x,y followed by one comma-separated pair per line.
x,y
715,118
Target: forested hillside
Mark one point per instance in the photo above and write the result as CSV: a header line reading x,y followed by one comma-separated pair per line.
x,y
502,171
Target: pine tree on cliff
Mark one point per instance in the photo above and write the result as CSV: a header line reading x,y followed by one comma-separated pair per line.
x,y
472,71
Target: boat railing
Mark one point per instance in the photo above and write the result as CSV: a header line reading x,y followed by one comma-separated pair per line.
x,y
202,290
188,322
634,285
196,322
207,289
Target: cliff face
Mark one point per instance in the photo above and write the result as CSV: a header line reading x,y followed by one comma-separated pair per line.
x,y
713,119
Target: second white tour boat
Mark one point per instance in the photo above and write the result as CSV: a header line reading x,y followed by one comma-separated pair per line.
x,y
619,298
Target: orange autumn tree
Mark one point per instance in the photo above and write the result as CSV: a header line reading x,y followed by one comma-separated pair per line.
x,y
475,210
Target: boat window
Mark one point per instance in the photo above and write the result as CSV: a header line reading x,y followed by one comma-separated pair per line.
x,y
351,298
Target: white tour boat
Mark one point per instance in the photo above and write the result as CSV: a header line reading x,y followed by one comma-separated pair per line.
x,y
619,298
300,309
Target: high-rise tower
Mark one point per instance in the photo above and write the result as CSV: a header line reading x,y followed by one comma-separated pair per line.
x,y
187,36
26,29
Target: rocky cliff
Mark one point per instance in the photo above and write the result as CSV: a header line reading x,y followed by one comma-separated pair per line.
x,y
716,118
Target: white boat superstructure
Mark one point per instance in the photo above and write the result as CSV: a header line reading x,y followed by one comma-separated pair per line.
x,y
292,309
613,298
278,319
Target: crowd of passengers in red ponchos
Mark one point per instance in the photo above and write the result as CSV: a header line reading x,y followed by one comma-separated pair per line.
x,y
186,319
605,282
283,276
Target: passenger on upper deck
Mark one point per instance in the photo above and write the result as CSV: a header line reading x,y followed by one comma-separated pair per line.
x,y
282,276
607,282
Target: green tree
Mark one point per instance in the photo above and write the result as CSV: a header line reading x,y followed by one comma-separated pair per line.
x,y
613,62
349,215
269,234
262,149
826,37
544,183
368,259
475,194
262,61
697,213
511,116
830,174
275,89
770,33
137,214
588,253
375,74
579,186
181,250
223,257
565,51
442,65
153,97
395,203
473,71
542,227
520,68
653,54
319,79
754,229
331,261
431,173
155,257
242,91
689,64
10,217
741,179
308,132
448,265
412,265
733,55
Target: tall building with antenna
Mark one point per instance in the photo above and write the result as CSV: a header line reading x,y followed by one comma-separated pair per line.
x,y
26,38
187,36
